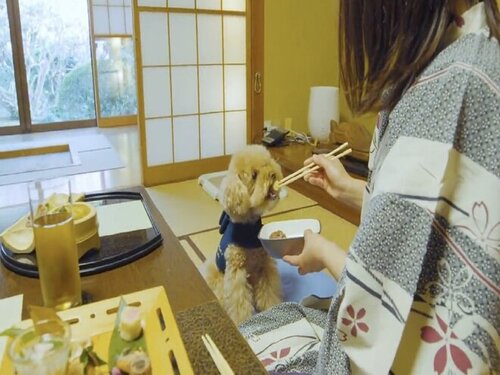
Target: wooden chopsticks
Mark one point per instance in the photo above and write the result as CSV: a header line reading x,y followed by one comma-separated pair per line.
x,y
216,355
311,167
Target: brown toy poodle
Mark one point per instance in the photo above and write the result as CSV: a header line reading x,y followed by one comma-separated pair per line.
x,y
243,276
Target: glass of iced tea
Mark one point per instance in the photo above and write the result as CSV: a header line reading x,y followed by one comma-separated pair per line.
x,y
55,242
42,349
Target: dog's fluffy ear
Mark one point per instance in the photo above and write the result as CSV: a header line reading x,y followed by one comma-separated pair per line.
x,y
234,196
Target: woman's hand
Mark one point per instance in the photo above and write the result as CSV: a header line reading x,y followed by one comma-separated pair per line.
x,y
334,179
317,254
331,177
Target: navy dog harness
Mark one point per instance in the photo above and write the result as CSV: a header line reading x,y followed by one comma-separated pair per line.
x,y
242,234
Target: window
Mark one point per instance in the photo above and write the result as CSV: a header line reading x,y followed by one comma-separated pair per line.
x,y
9,111
115,62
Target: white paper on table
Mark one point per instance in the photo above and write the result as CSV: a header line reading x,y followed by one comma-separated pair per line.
x,y
10,314
122,217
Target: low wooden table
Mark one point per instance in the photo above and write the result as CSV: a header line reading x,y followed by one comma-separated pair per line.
x,y
195,306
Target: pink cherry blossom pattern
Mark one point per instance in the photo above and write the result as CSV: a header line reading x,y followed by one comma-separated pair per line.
x,y
354,320
275,356
430,335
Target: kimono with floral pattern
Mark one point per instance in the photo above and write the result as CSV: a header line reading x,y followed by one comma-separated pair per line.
x,y
420,290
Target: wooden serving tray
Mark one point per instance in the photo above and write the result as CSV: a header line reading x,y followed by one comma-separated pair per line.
x,y
163,340
115,250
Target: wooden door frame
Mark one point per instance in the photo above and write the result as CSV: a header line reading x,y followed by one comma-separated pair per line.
x,y
255,50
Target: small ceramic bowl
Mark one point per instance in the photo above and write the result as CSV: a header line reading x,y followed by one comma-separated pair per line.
x,y
271,235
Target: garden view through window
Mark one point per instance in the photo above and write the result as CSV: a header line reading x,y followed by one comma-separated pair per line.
x,y
56,48
58,69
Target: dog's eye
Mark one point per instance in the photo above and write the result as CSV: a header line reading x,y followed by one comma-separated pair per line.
x,y
254,175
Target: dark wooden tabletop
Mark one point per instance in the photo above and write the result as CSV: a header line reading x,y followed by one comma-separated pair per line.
x,y
170,267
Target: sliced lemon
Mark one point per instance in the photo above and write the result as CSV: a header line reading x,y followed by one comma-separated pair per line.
x,y
19,241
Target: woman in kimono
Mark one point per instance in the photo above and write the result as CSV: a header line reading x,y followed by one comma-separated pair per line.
x,y
418,289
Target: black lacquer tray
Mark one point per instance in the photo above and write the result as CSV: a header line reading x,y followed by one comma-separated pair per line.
x,y
116,250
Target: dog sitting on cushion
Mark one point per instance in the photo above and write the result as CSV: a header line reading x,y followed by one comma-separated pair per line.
x,y
243,276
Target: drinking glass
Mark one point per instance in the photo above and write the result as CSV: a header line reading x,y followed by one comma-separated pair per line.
x,y
42,349
55,242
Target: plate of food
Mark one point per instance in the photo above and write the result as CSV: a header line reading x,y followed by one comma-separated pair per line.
x,y
286,237
135,333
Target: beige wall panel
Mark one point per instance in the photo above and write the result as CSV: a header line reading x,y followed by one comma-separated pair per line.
x,y
301,50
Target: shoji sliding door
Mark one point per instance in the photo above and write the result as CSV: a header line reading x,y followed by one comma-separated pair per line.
x,y
194,76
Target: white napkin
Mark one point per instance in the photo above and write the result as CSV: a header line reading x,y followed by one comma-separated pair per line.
x,y
10,314
122,217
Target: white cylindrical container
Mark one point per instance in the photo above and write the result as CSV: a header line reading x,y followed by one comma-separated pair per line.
x,y
323,107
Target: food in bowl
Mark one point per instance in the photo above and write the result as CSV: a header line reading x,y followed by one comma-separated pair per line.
x,y
286,237
277,234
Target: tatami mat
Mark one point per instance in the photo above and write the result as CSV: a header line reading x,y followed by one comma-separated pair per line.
x,y
188,209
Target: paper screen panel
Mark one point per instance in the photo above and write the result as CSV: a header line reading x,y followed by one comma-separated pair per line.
x,y
186,138
101,19
236,131
159,141
116,20
212,135
154,38
156,84
182,38
211,94
129,23
99,2
210,39
235,87
115,2
184,90
181,3
152,3
208,4
239,5
234,40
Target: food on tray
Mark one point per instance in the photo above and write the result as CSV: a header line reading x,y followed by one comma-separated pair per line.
x,y
134,363
83,360
277,234
19,238
130,323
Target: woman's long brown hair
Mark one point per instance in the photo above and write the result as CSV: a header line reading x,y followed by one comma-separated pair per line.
x,y
385,44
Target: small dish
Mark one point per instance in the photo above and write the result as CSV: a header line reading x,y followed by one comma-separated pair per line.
x,y
293,230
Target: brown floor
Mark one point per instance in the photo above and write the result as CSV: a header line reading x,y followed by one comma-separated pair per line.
x,y
180,203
